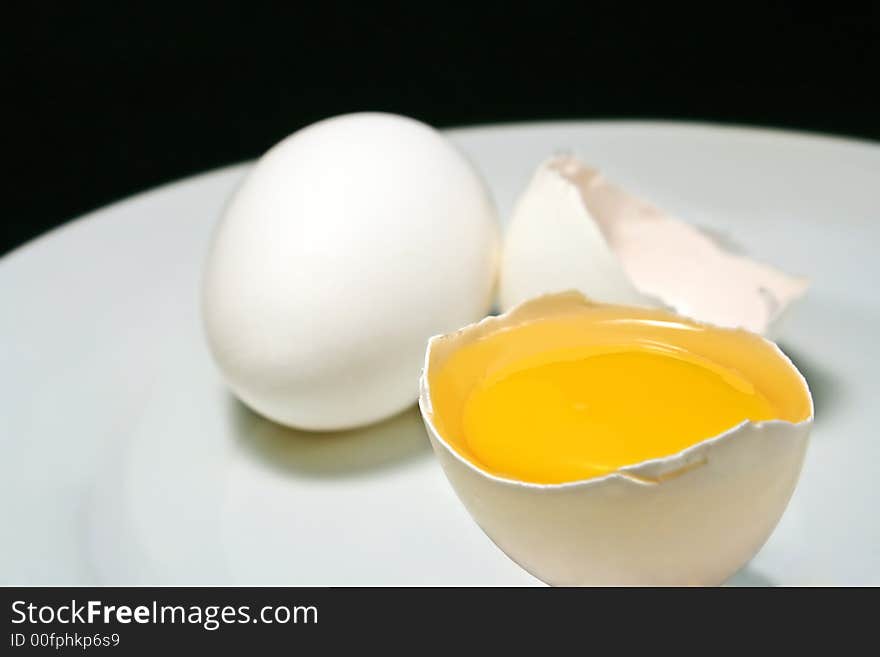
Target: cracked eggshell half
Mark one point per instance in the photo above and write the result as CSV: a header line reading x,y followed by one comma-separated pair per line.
x,y
693,518
573,230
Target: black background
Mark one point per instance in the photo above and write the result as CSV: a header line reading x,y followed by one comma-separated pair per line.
x,y
109,100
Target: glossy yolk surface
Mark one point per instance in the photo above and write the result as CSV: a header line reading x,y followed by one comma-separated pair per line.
x,y
586,412
578,397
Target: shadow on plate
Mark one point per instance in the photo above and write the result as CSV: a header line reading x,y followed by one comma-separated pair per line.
x,y
393,442
824,386
747,577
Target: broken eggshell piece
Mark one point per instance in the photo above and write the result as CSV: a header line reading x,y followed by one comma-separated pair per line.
x,y
692,518
572,229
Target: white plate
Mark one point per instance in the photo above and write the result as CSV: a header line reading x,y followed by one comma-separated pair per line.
x,y
125,461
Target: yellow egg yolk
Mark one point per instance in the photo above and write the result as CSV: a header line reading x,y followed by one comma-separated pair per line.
x,y
581,396
585,413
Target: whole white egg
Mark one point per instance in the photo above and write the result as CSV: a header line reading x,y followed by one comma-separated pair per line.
x,y
347,246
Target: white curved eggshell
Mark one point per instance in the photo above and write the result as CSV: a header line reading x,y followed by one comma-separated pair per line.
x,y
553,245
572,229
348,245
693,518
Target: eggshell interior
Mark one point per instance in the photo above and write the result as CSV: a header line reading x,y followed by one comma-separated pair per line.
x,y
572,229
694,517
